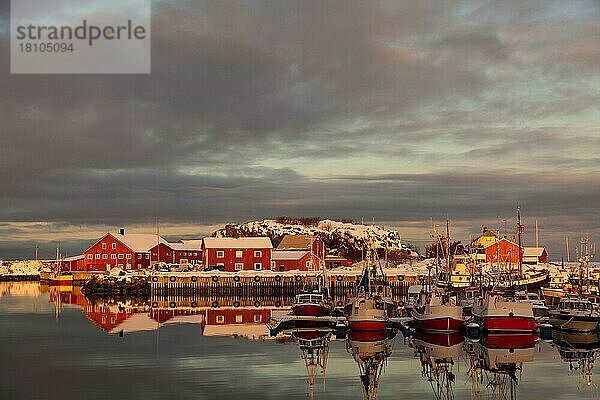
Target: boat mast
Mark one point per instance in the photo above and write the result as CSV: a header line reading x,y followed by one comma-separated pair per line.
x,y
520,231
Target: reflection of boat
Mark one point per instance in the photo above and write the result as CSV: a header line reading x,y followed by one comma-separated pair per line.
x,y
580,350
437,352
370,350
497,314
371,307
314,345
499,358
574,314
435,312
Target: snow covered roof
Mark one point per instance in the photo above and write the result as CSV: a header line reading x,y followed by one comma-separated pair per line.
x,y
139,242
73,258
280,255
187,245
533,251
296,242
262,242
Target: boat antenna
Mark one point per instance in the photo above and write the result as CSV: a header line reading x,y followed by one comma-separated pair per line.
x,y
520,231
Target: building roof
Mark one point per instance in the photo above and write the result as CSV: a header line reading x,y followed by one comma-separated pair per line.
x,y
296,242
502,240
186,245
73,258
280,255
533,251
262,242
139,242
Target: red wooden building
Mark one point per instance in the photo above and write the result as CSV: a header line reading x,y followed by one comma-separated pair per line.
x,y
126,251
287,260
181,252
237,254
503,251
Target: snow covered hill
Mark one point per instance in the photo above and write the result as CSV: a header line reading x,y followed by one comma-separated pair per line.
x,y
343,238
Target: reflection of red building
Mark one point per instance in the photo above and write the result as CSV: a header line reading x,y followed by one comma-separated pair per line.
x,y
503,251
126,251
237,254
232,316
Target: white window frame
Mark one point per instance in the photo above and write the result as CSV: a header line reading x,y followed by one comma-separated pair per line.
x,y
239,254
220,319
103,246
128,256
257,253
90,256
239,318
257,266
121,256
114,246
257,318
97,256
239,266
220,253
105,256
113,256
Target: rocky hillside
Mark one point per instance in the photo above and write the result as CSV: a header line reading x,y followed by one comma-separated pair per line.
x,y
347,239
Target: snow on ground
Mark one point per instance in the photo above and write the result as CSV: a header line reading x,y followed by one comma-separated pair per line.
x,y
21,267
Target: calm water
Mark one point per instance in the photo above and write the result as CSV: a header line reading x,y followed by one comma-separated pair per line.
x,y
60,346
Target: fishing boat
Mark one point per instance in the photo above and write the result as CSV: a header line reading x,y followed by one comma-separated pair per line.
x,y
496,313
58,277
579,350
575,315
371,307
314,299
436,312
540,311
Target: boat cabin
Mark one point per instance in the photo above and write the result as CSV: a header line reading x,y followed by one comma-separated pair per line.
x,y
575,304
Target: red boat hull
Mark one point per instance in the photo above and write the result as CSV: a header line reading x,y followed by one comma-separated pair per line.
x,y
442,324
310,310
367,325
59,282
504,341
508,324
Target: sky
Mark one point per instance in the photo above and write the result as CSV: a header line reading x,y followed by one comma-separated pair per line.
x,y
397,111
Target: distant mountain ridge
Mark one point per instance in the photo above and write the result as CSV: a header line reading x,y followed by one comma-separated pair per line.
x,y
343,238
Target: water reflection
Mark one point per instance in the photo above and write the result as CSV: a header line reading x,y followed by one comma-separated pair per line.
x,y
438,353
370,350
496,363
580,351
314,348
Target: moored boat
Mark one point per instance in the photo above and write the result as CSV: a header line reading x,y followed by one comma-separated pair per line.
x,y
495,313
575,314
436,312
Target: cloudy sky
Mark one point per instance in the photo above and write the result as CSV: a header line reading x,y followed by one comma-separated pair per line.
x,y
398,111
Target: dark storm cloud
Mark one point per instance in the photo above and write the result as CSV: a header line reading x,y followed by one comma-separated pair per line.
x,y
461,94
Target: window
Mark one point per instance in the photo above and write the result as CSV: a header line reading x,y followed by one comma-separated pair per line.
x,y
239,318
103,245
220,264
97,256
147,256
220,319
90,256
139,256
113,256
258,318
239,266
121,266
257,266
195,253
105,256
220,254
238,254
127,266
307,264
114,246
121,256
257,253
128,256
